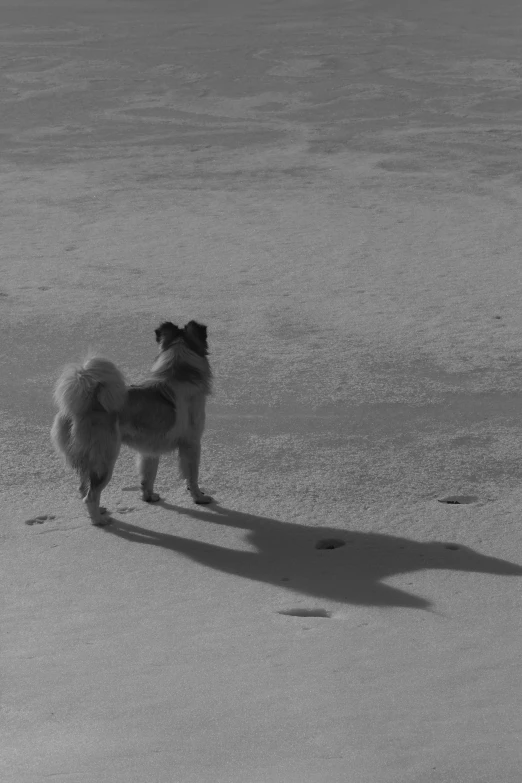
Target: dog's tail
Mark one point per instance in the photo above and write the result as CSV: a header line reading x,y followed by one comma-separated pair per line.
x,y
95,384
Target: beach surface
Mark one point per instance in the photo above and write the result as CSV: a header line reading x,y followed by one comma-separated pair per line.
x,y
335,189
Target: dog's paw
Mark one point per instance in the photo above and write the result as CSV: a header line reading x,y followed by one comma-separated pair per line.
x,y
198,496
103,521
202,499
151,497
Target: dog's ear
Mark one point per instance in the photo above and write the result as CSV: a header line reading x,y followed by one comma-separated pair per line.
x,y
197,334
166,333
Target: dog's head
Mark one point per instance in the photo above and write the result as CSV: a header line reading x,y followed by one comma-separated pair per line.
x,y
194,336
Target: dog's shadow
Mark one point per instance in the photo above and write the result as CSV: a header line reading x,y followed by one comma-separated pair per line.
x,y
287,555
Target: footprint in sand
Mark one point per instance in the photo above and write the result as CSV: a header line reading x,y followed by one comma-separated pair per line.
x,y
305,612
39,520
125,509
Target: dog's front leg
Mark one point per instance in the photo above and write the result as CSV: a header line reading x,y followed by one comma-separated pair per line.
x,y
147,469
189,454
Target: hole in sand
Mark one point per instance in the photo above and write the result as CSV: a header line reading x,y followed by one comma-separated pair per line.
x,y
457,500
329,543
306,612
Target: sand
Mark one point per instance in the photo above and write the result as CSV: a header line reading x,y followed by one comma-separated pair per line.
x,y
335,190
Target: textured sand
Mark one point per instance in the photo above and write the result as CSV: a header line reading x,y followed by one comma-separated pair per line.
x,y
335,189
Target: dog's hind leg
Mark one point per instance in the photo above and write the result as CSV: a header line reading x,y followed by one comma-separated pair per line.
x,y
189,454
147,469
98,514
84,485
84,489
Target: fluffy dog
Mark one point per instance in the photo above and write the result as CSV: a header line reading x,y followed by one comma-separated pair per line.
x,y
97,412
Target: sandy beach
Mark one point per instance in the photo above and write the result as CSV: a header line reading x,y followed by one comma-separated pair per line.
x,y
335,189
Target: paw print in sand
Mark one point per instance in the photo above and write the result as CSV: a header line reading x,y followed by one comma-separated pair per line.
x,y
39,520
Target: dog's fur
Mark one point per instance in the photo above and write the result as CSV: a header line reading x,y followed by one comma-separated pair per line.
x,y
97,412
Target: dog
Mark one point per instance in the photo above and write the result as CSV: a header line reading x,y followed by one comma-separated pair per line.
x,y
97,412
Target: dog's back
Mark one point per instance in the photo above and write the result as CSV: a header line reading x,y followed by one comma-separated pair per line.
x,y
147,418
156,418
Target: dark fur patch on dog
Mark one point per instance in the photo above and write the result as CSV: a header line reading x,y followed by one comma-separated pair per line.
x,y
166,333
186,373
194,336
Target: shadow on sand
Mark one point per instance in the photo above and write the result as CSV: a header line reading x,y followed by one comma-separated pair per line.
x,y
287,556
